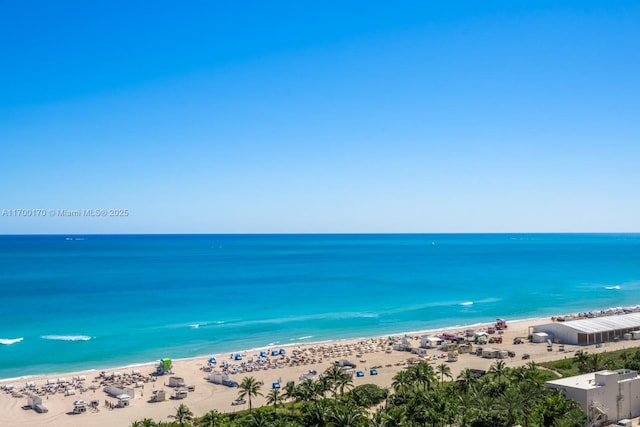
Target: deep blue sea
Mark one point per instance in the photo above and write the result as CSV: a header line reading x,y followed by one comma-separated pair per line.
x,y
93,302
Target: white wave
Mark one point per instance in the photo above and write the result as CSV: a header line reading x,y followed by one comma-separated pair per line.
x,y
612,287
467,303
195,325
9,341
66,337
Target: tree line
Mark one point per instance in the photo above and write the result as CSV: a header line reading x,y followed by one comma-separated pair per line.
x,y
420,395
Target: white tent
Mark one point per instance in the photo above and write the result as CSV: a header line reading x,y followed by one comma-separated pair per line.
x,y
539,337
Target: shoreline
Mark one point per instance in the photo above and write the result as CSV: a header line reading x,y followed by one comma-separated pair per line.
x,y
540,319
300,360
258,349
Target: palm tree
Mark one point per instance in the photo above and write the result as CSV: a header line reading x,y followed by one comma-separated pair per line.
x,y
424,374
379,419
402,383
347,416
532,391
467,379
512,402
316,414
498,368
345,381
274,397
334,374
210,419
444,371
596,362
624,356
581,359
148,422
574,417
183,415
324,384
258,419
441,408
290,393
249,388
533,371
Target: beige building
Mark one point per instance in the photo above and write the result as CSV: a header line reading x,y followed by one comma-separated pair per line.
x,y
605,396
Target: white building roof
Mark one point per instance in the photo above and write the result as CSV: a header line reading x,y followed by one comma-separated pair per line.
x,y
604,324
587,381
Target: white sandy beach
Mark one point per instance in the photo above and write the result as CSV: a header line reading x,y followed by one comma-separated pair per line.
x,y
366,353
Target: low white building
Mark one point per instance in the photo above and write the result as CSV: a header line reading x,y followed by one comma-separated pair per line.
x,y
427,341
605,396
592,331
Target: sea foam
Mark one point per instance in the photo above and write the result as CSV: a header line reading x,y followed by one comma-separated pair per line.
x,y
66,337
9,341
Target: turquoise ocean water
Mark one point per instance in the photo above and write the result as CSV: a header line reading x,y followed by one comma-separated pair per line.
x,y
91,302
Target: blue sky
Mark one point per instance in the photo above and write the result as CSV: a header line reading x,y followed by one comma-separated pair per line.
x,y
270,117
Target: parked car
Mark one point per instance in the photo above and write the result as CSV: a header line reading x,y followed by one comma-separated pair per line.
x,y
238,402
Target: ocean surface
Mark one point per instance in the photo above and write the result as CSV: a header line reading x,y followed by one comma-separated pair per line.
x,y
92,302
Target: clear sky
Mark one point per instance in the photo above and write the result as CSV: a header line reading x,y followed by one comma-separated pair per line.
x,y
328,116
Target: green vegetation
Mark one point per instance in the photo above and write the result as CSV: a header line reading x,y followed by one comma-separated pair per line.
x,y
584,362
420,396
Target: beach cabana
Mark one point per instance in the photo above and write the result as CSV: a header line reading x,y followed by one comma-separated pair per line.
x,y
212,361
116,390
263,354
238,357
539,337
282,351
124,400
274,352
275,385
359,374
36,404
373,372
428,341
80,407
176,382
158,396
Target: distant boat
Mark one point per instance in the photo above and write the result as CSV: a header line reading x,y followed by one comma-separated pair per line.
x,y
612,287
